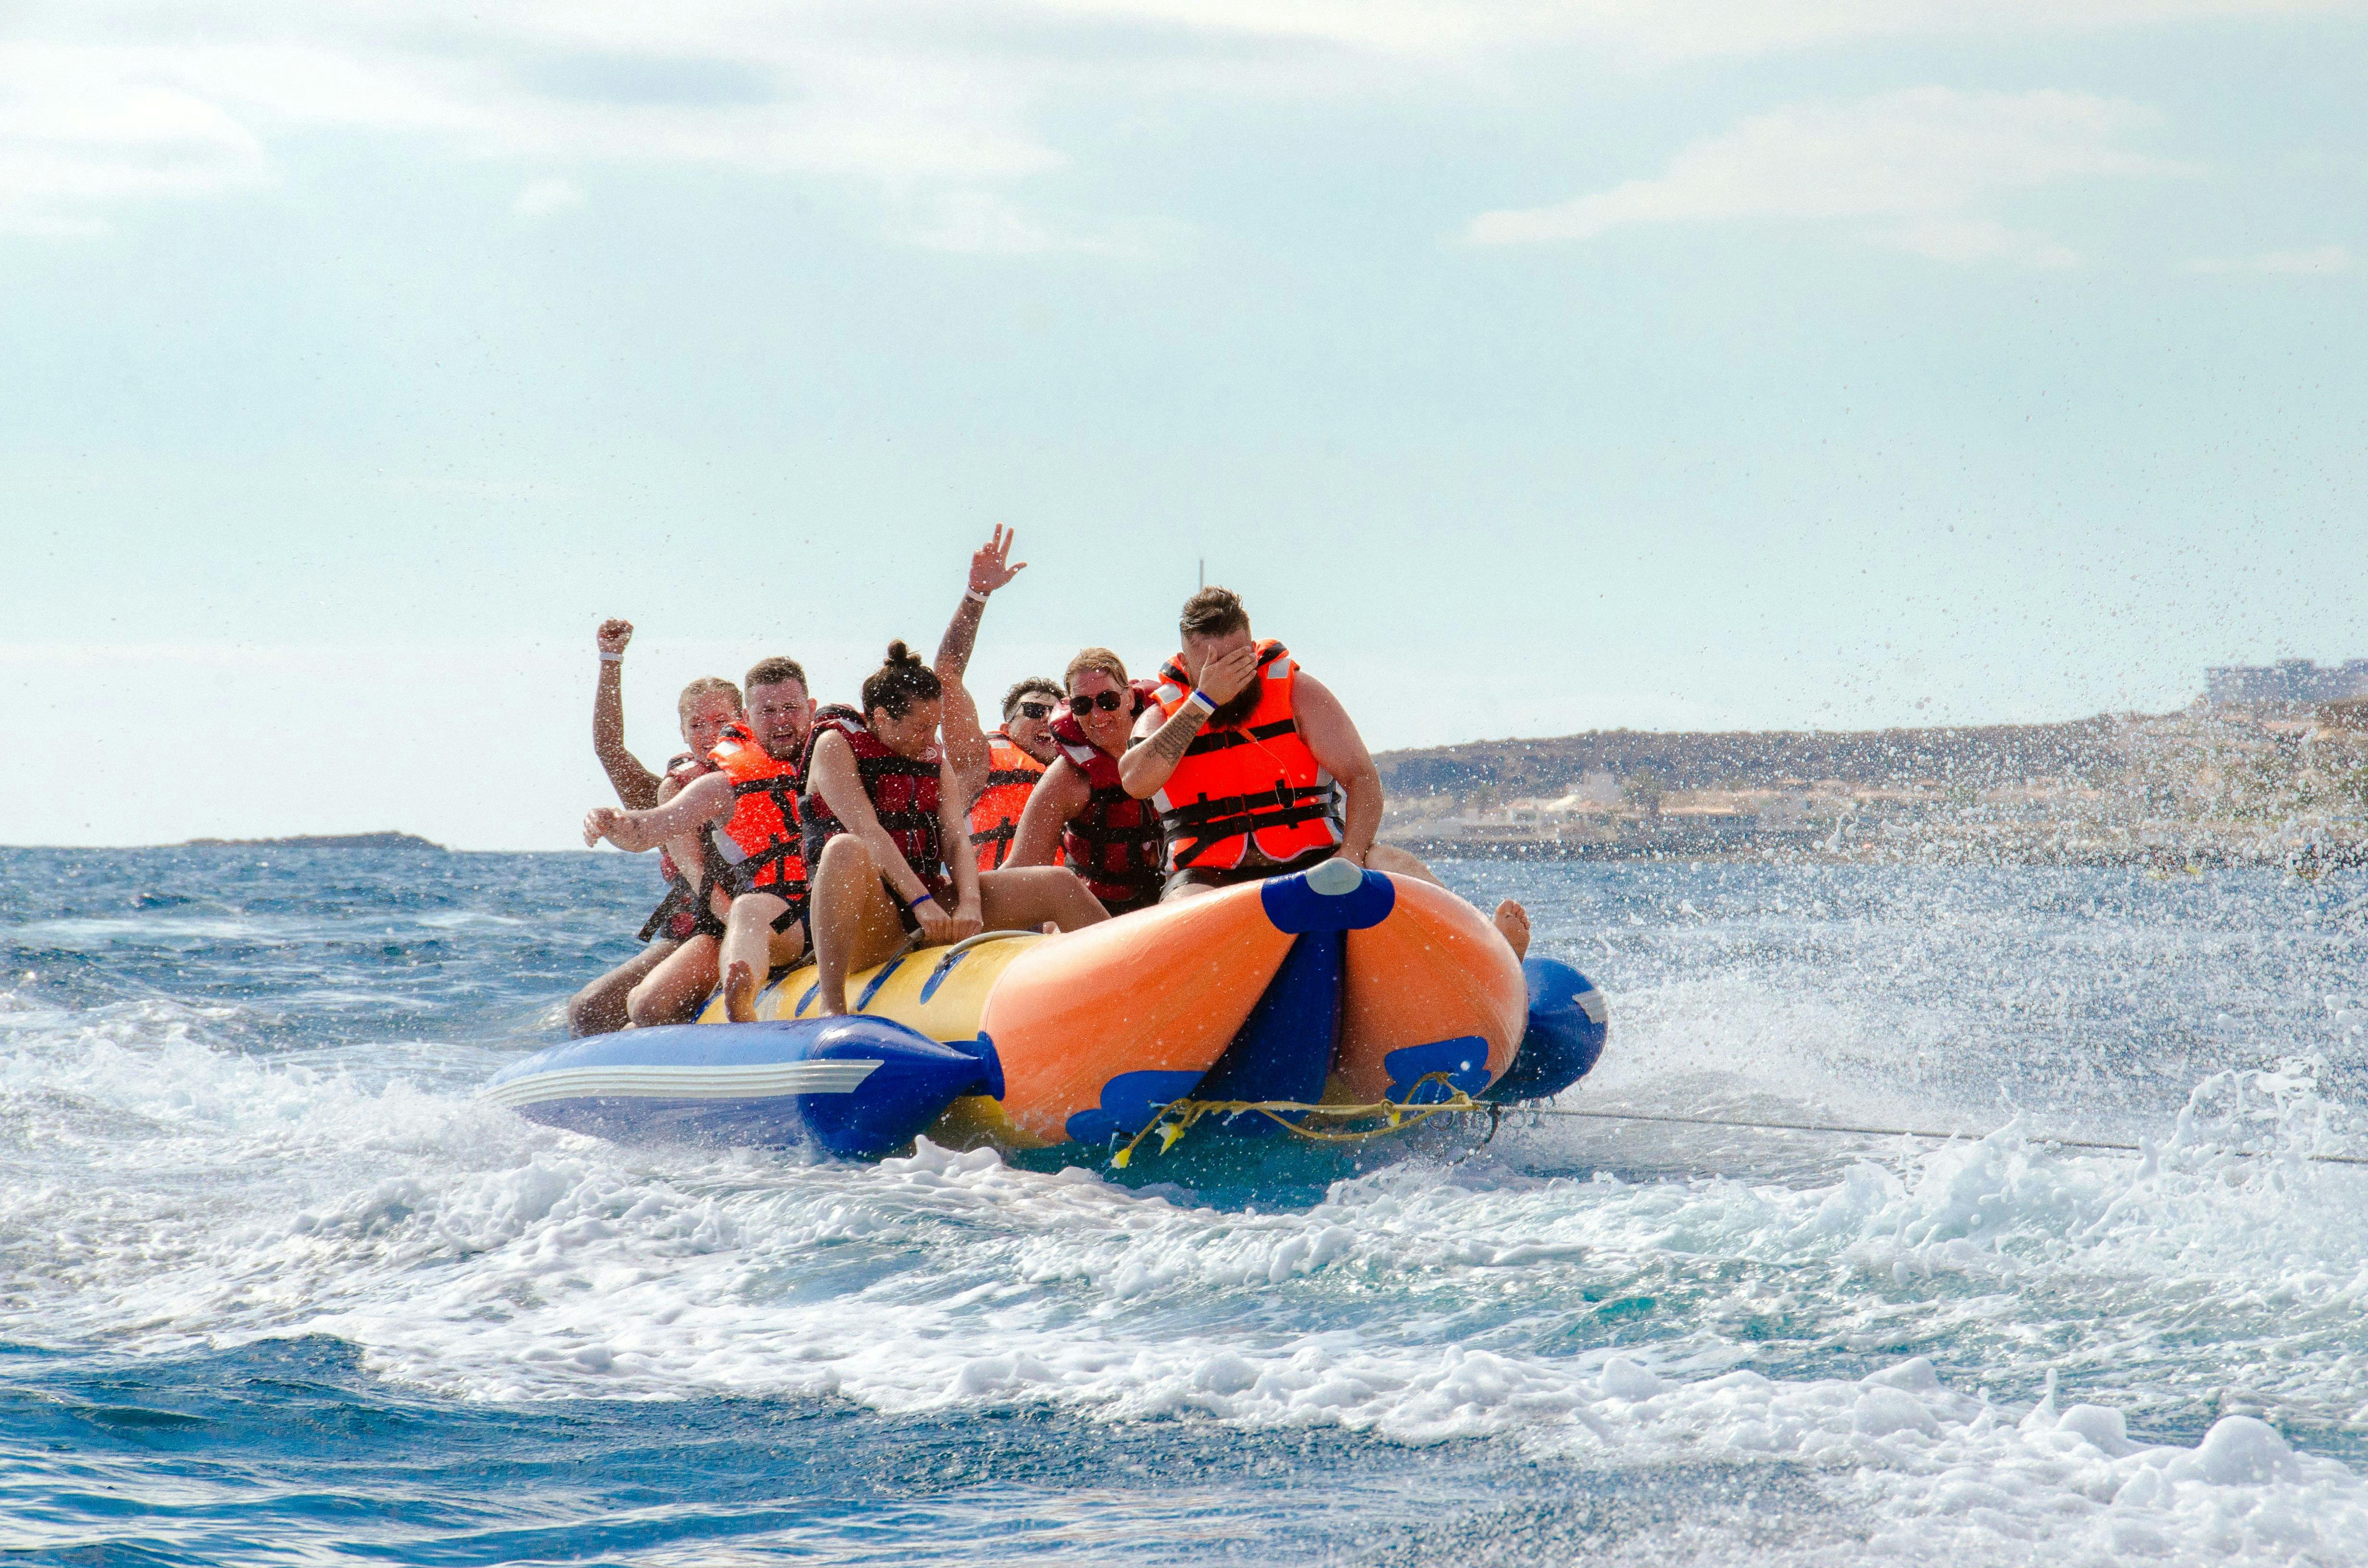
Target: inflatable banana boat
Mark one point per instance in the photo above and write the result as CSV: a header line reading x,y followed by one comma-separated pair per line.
x,y
1314,995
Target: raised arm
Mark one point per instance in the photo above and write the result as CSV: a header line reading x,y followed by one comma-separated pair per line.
x,y
965,739
703,800
635,785
1332,735
1059,795
1147,767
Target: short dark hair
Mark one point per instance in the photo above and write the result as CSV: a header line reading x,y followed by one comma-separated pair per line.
x,y
1213,612
1034,682
773,672
896,685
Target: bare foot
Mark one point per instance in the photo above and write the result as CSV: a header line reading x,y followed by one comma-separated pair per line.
x,y
1513,923
1052,927
740,993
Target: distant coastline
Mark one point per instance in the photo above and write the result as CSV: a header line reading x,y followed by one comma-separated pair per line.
x,y
320,841
2214,785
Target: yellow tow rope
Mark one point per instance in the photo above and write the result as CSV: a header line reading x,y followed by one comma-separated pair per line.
x,y
1177,1117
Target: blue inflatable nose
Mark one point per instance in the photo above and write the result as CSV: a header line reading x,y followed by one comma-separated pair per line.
x,y
1568,1024
1331,896
862,1087
915,1080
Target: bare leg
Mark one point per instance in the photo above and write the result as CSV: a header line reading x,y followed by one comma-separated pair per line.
x,y
1512,923
740,993
600,1007
1398,863
855,923
1030,898
1189,890
672,993
753,949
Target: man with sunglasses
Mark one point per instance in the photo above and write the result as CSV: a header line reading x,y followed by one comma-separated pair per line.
x,y
998,770
1081,808
1255,768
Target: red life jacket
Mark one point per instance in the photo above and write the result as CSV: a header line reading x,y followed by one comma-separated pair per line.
x,y
1114,844
1246,785
903,792
1011,774
689,907
762,838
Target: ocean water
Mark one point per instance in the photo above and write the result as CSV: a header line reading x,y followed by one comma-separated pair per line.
x,y
273,1287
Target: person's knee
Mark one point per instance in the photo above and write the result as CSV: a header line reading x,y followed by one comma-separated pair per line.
x,y
652,1004
596,1009
752,915
845,855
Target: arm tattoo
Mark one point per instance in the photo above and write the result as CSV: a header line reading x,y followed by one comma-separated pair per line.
x,y
1175,737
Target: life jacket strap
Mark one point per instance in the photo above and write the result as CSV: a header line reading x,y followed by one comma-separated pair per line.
x,y
1209,741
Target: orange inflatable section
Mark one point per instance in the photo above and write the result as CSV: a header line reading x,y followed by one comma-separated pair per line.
x,y
1435,970
1161,991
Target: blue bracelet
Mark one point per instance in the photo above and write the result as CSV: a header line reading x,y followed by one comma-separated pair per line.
x,y
1207,703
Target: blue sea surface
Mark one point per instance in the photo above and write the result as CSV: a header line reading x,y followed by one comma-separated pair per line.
x,y
276,1288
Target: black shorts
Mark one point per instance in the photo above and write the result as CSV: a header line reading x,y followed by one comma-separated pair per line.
x,y
683,913
1233,876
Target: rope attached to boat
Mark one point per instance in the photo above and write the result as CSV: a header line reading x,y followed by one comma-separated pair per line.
x,y
1397,1116
1177,1117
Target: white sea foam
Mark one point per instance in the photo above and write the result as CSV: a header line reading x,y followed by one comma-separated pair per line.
x,y
163,1194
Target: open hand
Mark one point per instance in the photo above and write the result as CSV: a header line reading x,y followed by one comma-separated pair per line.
x,y
1224,678
613,636
991,566
596,824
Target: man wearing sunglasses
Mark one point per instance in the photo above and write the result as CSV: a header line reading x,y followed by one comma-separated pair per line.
x,y
1081,808
998,770
1254,767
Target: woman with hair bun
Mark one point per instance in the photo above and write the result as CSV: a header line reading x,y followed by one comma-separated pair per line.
x,y
887,843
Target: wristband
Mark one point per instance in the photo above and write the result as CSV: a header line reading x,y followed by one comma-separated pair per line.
x,y
1202,697
925,898
974,596
616,658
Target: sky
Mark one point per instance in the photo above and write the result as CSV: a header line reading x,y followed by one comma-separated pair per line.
x,y
1528,367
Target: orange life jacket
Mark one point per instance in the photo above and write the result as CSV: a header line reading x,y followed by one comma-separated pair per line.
x,y
1254,784
995,816
762,837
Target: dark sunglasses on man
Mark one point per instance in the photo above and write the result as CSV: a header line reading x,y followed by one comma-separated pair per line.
x,y
1106,702
1035,711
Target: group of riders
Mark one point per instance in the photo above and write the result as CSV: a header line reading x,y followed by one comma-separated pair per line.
x,y
788,830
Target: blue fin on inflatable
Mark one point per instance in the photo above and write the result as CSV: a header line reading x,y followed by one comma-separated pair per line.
x,y
862,1087
1568,1024
1284,1050
1128,1103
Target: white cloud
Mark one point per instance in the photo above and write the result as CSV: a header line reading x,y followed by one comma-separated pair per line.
x,y
1910,170
2323,261
1654,30
542,198
111,103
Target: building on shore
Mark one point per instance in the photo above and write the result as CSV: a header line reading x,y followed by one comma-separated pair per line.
x,y
2288,680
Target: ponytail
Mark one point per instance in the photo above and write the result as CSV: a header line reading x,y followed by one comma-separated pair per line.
x,y
895,685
